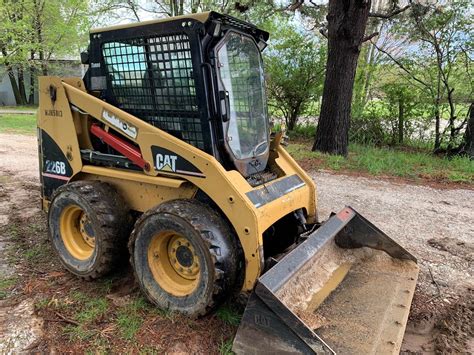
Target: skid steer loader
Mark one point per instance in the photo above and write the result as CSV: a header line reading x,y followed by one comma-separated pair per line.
x,y
165,146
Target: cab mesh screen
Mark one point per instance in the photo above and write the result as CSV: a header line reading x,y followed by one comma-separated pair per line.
x,y
152,78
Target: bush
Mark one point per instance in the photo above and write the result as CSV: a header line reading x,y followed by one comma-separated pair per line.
x,y
367,130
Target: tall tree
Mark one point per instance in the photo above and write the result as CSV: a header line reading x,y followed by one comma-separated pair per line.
x,y
442,35
36,31
346,32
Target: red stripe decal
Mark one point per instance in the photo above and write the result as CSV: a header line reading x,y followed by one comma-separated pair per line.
x,y
59,177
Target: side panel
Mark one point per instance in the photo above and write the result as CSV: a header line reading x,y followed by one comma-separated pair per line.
x,y
59,149
55,167
142,196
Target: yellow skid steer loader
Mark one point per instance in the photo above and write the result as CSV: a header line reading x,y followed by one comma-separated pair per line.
x,y
165,146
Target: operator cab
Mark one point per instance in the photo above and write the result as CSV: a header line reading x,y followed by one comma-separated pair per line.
x,y
198,77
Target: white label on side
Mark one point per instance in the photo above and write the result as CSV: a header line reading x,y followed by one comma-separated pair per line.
x,y
125,127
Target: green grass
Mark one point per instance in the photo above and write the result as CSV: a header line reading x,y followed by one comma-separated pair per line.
x,y
86,310
130,318
129,324
93,309
229,315
389,162
38,253
225,347
79,332
20,108
20,124
6,285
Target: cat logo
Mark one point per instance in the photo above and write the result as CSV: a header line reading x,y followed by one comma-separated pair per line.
x,y
165,162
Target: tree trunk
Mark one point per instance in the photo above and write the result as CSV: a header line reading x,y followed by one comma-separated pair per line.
x,y
401,120
437,128
452,118
12,78
21,85
292,121
347,20
14,84
31,94
468,140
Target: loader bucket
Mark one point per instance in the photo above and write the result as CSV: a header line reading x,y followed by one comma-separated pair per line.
x,y
346,289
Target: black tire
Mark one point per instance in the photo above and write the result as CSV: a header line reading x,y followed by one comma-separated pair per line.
x,y
212,244
97,209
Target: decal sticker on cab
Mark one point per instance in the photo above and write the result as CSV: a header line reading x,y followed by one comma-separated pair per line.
x,y
168,161
127,128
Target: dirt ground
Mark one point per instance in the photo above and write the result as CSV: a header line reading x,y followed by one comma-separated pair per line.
x,y
40,310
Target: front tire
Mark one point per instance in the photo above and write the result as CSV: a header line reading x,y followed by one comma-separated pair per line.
x,y
185,257
89,224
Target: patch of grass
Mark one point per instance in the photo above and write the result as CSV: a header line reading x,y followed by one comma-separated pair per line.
x,y
229,315
19,108
6,285
92,310
37,253
42,303
20,124
128,323
148,350
86,310
225,347
100,345
78,332
390,162
130,318
13,231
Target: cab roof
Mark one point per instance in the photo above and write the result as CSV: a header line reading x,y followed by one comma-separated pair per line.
x,y
202,17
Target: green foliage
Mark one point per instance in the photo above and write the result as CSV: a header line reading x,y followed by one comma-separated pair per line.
x,y
294,63
307,131
51,28
432,57
34,32
21,124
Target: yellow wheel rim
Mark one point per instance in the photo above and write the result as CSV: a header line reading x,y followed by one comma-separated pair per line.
x,y
76,233
174,263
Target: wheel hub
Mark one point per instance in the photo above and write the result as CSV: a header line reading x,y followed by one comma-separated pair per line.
x,y
77,232
182,256
86,230
174,263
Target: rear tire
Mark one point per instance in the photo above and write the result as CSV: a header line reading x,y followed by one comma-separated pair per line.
x,y
89,224
185,257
